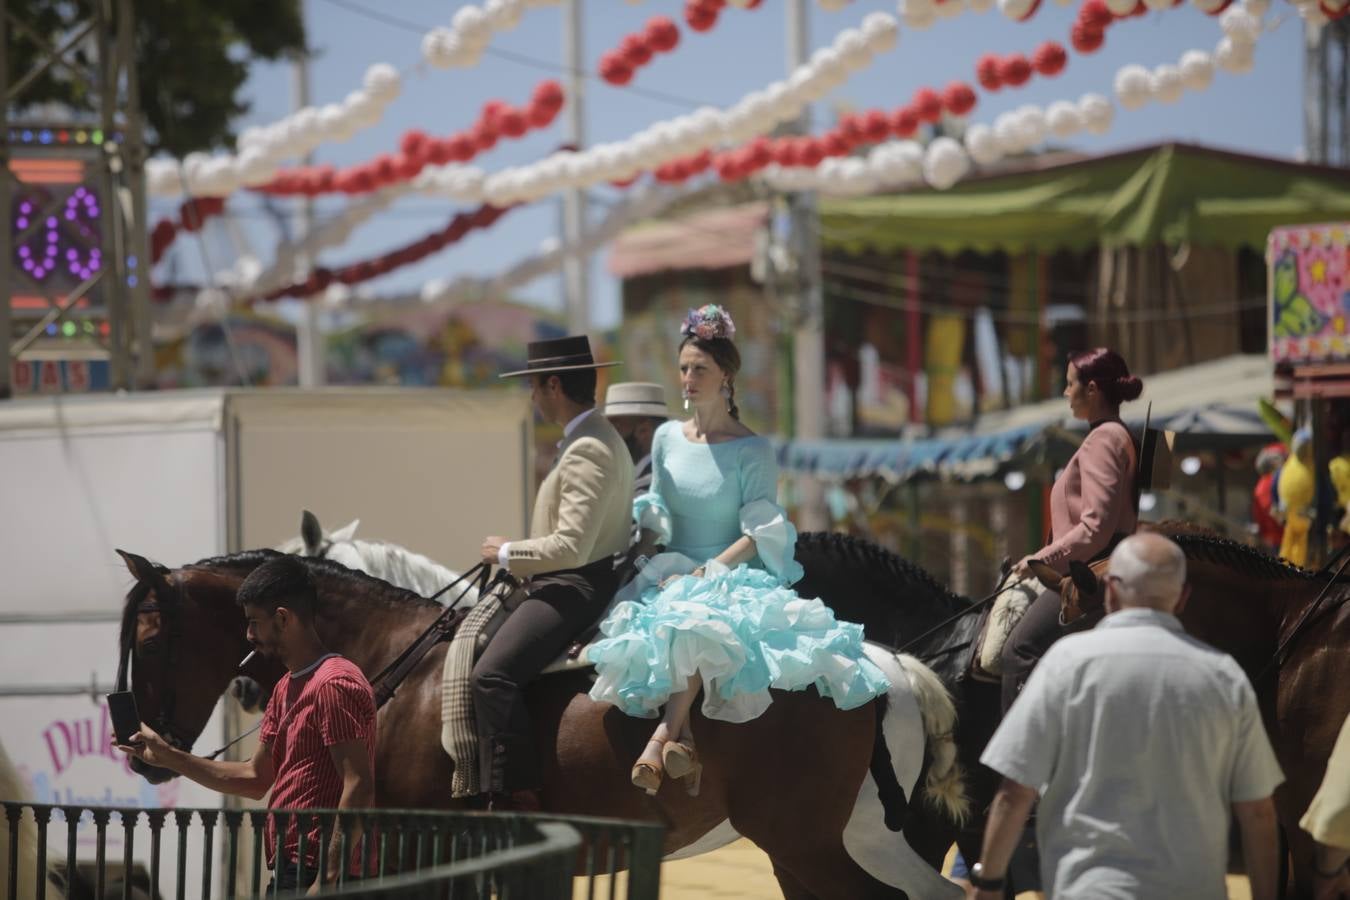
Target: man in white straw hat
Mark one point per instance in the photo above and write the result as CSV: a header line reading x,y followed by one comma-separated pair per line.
x,y
636,409
581,522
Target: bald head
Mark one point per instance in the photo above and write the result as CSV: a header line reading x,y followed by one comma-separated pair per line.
x,y
1149,571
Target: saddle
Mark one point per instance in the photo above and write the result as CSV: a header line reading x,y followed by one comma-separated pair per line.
x,y
459,724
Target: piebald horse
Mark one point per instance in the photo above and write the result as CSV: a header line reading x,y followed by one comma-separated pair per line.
x,y
797,781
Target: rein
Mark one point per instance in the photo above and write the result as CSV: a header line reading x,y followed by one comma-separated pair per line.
x,y
385,684
977,606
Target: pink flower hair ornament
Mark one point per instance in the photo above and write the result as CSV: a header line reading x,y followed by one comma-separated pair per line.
x,y
708,322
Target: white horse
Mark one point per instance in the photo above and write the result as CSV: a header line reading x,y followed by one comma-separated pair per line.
x,y
388,562
12,788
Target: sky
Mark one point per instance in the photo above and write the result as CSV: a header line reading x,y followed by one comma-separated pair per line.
x,y
1259,112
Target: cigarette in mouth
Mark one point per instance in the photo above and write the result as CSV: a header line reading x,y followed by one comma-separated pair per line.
x,y
248,659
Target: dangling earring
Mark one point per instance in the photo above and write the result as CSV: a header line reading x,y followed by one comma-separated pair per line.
x,y
726,392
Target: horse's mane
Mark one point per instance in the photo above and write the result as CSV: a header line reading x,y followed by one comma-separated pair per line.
x,y
1200,543
879,563
248,560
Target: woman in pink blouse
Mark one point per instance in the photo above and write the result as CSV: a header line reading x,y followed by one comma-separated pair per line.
x,y
1093,504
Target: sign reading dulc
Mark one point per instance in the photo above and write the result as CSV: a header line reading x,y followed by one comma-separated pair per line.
x,y
1309,293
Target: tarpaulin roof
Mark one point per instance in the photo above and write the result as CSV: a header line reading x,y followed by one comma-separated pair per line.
x,y
709,239
1172,193
1210,405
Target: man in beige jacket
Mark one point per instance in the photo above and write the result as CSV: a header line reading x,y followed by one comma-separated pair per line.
x,y
581,523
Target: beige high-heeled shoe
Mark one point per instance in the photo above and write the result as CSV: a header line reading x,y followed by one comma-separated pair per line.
x,y
680,760
648,776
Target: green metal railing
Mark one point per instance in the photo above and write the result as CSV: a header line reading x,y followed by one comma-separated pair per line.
x,y
390,853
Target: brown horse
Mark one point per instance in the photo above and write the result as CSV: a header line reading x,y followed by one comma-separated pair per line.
x,y
1248,604
811,810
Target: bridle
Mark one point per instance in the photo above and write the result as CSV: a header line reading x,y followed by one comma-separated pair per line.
x,y
166,602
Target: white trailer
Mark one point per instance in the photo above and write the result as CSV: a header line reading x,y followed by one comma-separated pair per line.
x,y
180,476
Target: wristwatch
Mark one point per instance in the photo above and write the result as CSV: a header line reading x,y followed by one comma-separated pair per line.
x,y
977,878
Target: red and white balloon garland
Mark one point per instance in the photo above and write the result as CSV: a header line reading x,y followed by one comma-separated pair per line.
x,y
192,215
417,150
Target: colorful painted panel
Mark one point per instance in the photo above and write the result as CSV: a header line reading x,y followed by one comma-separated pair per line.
x,y
1309,293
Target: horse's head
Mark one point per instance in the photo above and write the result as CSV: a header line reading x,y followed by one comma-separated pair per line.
x,y
181,641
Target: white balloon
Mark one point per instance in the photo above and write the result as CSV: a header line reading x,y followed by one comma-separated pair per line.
x,y
1233,57
1031,122
1165,83
1064,119
982,145
1133,86
833,5
1097,113
853,49
1240,26
1257,8
945,163
1158,5
1008,133
1015,9
471,24
442,48
255,168
1208,6
382,82
1120,7
981,6
882,32
1197,70
918,14
503,15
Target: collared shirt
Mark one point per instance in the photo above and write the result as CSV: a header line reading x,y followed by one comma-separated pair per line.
x,y
1139,739
327,703
502,555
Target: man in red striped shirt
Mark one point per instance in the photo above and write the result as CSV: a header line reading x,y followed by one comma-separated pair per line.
x,y
317,742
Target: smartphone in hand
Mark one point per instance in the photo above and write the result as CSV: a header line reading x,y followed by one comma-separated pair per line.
x,y
126,720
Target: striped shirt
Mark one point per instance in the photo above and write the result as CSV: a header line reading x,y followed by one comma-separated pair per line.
x,y
329,703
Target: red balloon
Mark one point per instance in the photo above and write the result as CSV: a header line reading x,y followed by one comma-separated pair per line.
x,y
513,124
989,72
549,94
699,15
811,152
636,50
1031,11
663,35
1139,10
701,161
624,182
1015,70
785,153
386,168
484,137
406,167
876,125
959,98
413,143
1085,39
1050,58
760,152
326,181
904,122
615,69
927,104
853,130
1095,14
491,111
833,144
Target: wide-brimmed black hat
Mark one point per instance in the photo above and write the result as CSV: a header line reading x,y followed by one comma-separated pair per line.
x,y
566,354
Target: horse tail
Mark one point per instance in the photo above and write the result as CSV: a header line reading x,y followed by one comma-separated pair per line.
x,y
944,786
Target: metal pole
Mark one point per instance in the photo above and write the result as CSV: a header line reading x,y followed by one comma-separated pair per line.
x,y
114,262
6,236
809,339
1314,107
309,341
138,235
576,264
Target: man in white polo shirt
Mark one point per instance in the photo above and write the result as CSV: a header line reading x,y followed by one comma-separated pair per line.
x,y
1142,742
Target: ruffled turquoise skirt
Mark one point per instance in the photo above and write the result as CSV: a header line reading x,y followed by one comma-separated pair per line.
x,y
744,633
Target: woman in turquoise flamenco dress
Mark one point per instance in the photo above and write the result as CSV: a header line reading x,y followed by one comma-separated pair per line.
x,y
717,611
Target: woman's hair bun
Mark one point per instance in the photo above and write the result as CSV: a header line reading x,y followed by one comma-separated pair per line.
x,y
1129,387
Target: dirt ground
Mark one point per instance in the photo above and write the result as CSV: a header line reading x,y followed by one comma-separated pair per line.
x,y
742,871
